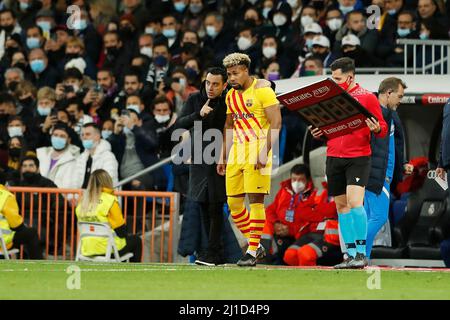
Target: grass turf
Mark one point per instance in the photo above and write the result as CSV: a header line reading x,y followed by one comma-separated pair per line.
x,y
48,280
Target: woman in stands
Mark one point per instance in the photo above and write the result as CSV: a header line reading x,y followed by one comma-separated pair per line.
x,y
100,205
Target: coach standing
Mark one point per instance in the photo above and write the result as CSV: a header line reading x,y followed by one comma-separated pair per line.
x,y
388,162
206,186
348,166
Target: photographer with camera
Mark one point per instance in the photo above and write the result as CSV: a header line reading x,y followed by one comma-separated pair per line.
x,y
135,147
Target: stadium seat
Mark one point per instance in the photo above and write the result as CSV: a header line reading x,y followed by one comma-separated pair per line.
x,y
4,250
101,230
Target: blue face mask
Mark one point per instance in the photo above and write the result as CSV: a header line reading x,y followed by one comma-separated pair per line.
x,y
403,32
423,36
43,111
37,65
127,130
134,107
160,61
33,43
45,25
265,12
179,6
24,6
88,144
309,43
211,31
392,12
106,134
82,24
58,143
345,9
169,33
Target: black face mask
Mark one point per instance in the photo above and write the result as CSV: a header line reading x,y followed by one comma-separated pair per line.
x,y
30,176
112,51
70,56
12,86
15,152
9,28
125,32
21,66
27,102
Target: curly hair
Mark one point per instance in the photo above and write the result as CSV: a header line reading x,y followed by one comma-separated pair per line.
x,y
236,59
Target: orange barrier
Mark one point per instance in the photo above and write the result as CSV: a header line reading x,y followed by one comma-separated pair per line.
x,y
52,212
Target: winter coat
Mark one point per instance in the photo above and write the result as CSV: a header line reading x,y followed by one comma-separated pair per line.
x,y
62,173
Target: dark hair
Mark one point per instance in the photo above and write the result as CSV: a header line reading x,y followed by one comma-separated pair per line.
x,y
218,71
391,83
346,64
61,125
167,15
162,99
301,169
32,158
71,73
161,42
7,98
133,72
13,118
8,11
108,70
34,26
353,12
93,125
316,59
410,13
75,100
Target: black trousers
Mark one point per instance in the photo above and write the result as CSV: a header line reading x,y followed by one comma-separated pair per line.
x,y
29,238
212,216
134,245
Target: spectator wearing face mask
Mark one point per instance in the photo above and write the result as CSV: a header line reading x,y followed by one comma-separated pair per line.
x,y
296,221
356,24
8,109
177,89
247,43
159,68
75,49
117,57
218,38
321,49
46,116
135,147
18,128
351,48
75,108
281,20
9,25
17,149
333,22
44,74
271,71
25,95
194,16
163,119
308,16
347,6
57,162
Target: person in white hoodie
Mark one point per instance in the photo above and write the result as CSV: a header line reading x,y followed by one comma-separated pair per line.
x,y
97,155
57,162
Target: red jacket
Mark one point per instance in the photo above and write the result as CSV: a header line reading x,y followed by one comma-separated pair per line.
x,y
357,143
312,209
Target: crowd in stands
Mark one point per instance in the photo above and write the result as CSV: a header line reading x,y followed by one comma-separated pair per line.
x,y
102,91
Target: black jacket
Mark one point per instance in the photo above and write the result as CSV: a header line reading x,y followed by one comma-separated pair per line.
x,y
444,156
380,154
204,182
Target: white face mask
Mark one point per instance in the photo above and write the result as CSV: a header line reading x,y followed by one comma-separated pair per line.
x,y
15,132
334,24
293,3
244,43
147,51
298,186
279,19
269,52
161,119
149,30
306,20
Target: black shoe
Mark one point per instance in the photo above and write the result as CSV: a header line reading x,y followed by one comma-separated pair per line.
x,y
260,253
247,261
360,262
210,260
344,264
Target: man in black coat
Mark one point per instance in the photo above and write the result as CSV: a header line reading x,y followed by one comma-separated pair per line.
x,y
208,109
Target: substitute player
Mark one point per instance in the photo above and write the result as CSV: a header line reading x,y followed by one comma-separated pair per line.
x,y
348,166
251,132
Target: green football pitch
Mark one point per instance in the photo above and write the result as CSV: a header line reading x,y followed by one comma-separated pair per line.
x,y
61,280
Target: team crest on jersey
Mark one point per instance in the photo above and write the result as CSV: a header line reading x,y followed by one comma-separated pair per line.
x,y
249,103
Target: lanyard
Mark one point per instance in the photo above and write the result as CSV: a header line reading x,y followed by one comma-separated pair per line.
x,y
291,205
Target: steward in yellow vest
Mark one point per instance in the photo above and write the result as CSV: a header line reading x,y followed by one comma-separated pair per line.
x,y
15,233
100,205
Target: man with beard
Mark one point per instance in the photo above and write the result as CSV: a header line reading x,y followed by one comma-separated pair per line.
x,y
132,85
351,48
205,185
117,57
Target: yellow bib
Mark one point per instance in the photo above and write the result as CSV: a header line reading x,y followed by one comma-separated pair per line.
x,y
8,234
91,246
